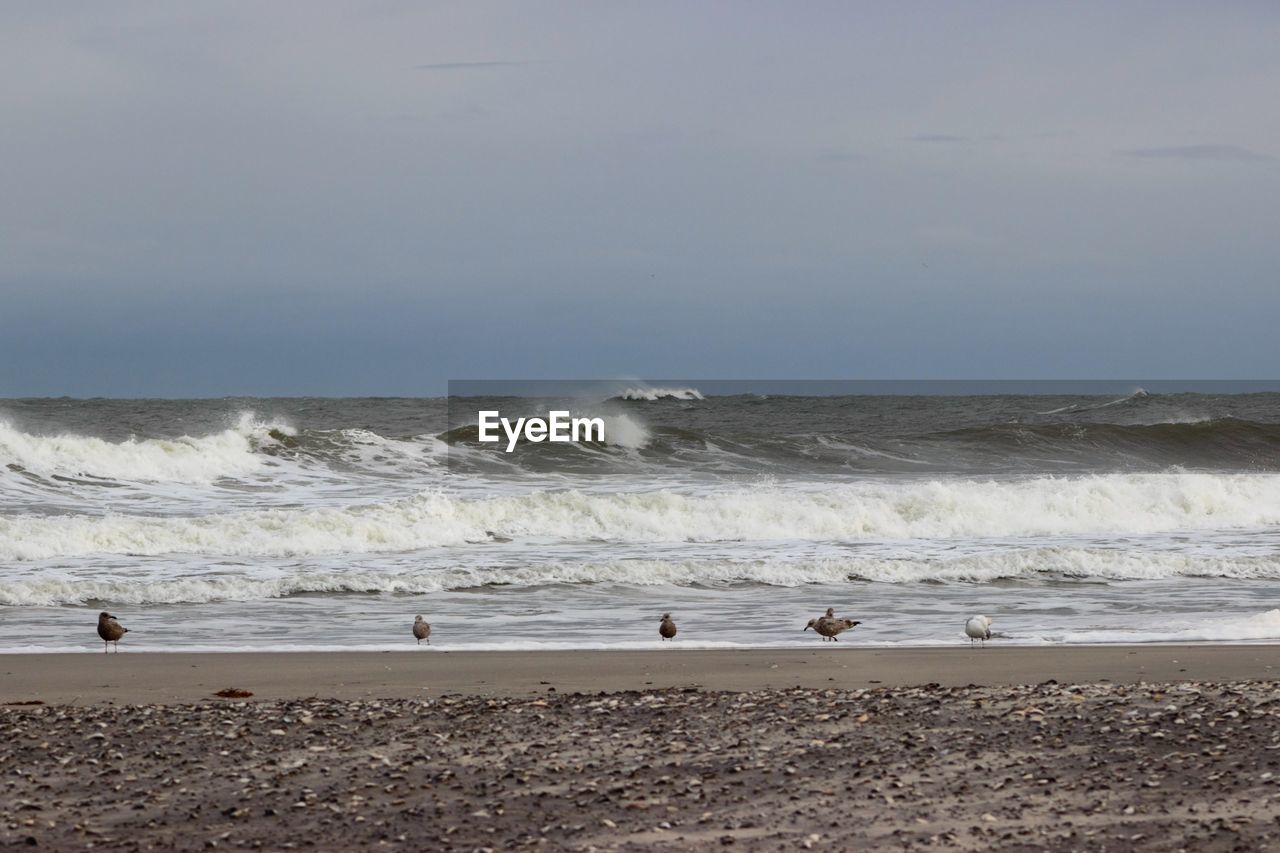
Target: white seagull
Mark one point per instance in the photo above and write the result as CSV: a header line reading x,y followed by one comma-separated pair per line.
x,y
978,628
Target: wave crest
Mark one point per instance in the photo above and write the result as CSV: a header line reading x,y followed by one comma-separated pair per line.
x,y
652,394
186,459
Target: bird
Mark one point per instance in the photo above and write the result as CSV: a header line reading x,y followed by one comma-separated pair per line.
x,y
667,628
830,614
978,628
110,631
421,630
829,626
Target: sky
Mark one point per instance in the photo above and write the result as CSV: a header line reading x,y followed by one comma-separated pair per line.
x,y
223,198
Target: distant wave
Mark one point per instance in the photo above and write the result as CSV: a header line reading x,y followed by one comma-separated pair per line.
x,y
651,394
1138,394
1228,440
1223,443
1112,503
54,588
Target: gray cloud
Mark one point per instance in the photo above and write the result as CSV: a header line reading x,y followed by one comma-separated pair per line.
x,y
1196,152
936,137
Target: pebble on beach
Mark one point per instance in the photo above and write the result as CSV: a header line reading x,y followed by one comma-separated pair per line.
x,y
1063,767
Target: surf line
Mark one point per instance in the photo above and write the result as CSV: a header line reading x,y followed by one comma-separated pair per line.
x,y
558,426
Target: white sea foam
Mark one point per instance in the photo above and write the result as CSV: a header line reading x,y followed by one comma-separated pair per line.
x,y
203,459
148,585
50,589
1254,627
1132,504
651,394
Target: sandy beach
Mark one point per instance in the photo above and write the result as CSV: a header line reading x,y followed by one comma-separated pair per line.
x,y
1160,748
179,677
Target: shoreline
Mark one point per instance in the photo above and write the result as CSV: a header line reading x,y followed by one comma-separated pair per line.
x,y
191,677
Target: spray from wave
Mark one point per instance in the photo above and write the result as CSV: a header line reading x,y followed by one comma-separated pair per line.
x,y
622,430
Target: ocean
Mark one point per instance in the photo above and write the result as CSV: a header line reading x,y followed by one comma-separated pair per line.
x,y
296,523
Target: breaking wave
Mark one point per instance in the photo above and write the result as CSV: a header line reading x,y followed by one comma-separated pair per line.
x,y
1114,503
228,453
267,453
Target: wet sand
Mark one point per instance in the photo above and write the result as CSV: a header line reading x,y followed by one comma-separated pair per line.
x,y
1058,749
135,677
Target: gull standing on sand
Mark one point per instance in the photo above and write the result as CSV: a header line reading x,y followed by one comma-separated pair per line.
x,y
978,628
110,631
667,628
421,630
828,626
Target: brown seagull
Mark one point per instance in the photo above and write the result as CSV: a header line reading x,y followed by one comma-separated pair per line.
x,y
110,631
422,630
667,628
829,626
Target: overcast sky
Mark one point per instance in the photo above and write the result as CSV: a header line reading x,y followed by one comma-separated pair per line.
x,y
373,198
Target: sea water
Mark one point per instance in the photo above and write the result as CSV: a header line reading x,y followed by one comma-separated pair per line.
x,y
329,523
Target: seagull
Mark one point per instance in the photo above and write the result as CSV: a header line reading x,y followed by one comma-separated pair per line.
x,y
667,628
110,631
829,626
830,614
421,630
978,628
